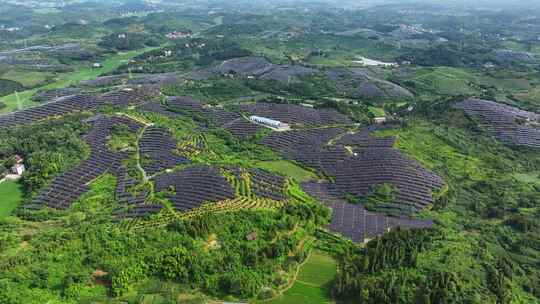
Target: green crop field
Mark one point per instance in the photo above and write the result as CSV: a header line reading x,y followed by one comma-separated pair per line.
x,y
311,285
288,168
22,99
11,196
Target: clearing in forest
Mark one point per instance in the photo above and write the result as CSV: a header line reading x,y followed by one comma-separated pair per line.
x,y
313,282
11,194
288,168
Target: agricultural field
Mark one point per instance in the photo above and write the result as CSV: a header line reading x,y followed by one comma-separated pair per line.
x,y
312,282
11,194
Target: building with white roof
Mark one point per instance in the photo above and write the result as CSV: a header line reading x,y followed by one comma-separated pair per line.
x,y
271,123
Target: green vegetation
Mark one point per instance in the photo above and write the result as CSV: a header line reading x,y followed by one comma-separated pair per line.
x,y
9,86
312,284
129,41
473,252
49,148
104,258
442,81
530,178
122,140
11,194
212,91
287,168
377,112
81,73
427,143
28,79
186,55
381,199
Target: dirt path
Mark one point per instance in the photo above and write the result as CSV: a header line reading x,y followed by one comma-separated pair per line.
x,y
291,282
138,156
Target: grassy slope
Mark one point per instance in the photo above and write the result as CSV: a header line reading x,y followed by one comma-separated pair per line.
x,y
67,79
11,196
312,283
419,142
377,112
287,168
445,80
27,78
457,252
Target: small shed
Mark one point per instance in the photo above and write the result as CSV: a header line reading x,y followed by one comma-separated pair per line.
x,y
379,120
18,169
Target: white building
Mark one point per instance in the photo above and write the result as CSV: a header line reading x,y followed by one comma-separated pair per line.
x,y
18,169
379,120
268,122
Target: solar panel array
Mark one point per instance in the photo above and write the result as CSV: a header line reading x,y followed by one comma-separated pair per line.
x,y
73,103
59,107
374,166
158,108
187,105
105,81
193,186
263,183
156,148
296,114
266,184
54,94
356,170
68,187
128,96
192,107
296,144
363,138
242,128
357,162
353,220
124,185
132,205
509,124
